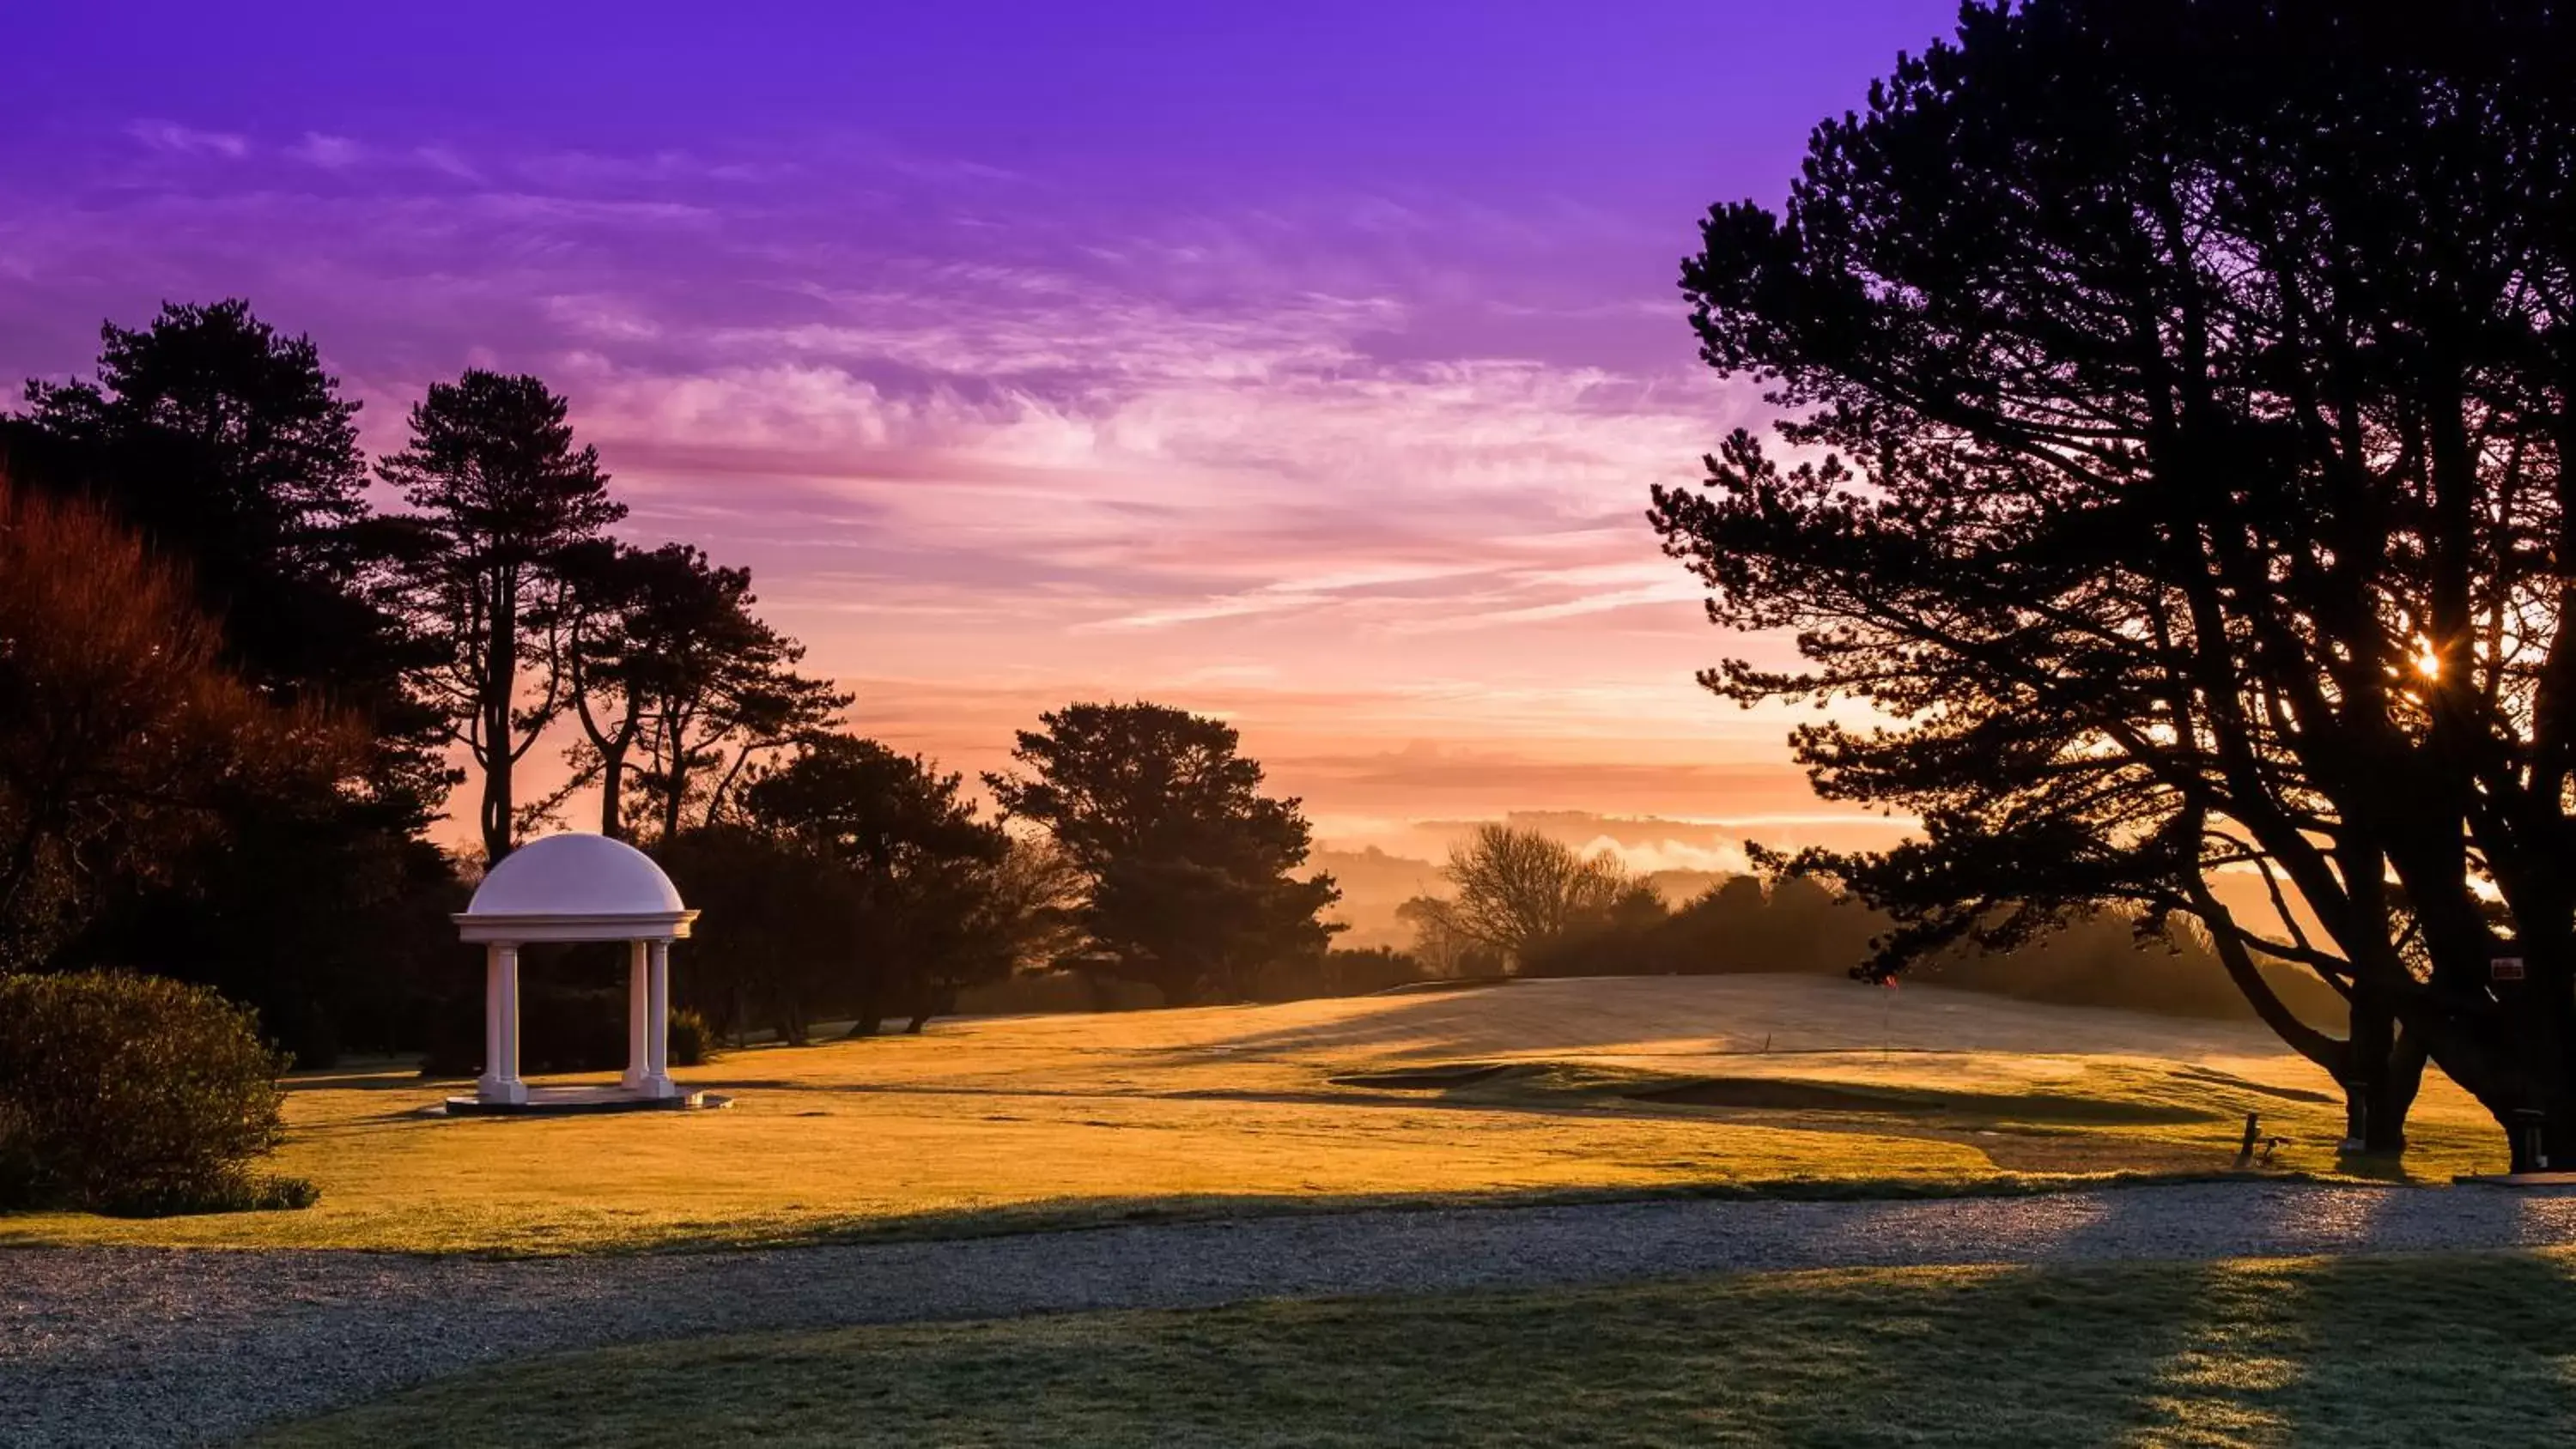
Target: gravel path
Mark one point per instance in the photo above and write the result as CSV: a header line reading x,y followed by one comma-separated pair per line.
x,y
147,1346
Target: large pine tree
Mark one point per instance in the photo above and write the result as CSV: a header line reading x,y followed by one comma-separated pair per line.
x,y
2181,399
503,496
1189,864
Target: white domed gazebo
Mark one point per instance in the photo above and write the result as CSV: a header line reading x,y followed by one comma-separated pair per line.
x,y
577,888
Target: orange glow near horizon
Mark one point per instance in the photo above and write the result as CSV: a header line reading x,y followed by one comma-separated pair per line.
x,y
1016,382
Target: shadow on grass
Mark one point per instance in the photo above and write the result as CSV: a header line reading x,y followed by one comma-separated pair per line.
x,y
2260,1089
389,1079
2387,1167
1793,1094
1095,1214
1335,1092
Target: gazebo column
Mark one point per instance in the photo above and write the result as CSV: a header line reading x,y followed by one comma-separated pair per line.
x,y
639,1011
500,1080
657,1021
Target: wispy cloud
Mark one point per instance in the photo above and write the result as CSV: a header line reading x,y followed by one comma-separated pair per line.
x,y
331,153
171,138
974,425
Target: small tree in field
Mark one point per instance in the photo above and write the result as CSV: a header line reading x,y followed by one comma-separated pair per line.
x,y
910,862
1441,942
1518,890
2185,431
988,919
1187,861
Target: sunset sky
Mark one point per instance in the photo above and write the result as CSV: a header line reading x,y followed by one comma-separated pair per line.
x,y
1306,364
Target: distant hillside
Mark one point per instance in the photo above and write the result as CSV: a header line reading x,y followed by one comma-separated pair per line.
x,y
1373,884
1677,887
1803,929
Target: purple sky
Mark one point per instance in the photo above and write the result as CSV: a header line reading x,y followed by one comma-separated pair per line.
x,y
1305,363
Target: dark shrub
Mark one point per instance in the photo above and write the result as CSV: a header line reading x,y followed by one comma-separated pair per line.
x,y
569,1028
561,1029
1057,990
1337,972
693,1042
452,1040
135,1094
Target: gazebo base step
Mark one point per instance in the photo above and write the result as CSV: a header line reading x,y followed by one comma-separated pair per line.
x,y
549,1101
2516,1179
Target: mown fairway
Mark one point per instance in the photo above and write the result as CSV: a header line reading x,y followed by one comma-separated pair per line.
x,y
1605,1086
2469,1350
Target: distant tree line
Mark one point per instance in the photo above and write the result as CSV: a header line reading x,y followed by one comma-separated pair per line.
x,y
1523,902
235,697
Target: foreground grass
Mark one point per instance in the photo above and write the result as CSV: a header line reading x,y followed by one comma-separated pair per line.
x,y
1803,1086
2468,1350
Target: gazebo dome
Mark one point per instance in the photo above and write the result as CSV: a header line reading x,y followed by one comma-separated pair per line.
x,y
576,875
575,888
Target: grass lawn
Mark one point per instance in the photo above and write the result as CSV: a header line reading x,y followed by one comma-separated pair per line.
x,y
1606,1086
2470,1350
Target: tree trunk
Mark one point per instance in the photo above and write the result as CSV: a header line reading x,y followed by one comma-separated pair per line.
x,y
612,750
2507,1044
724,785
1103,989
612,792
2373,1039
936,1000
676,776
2362,1064
500,683
2397,1088
2543,1128
2387,1072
